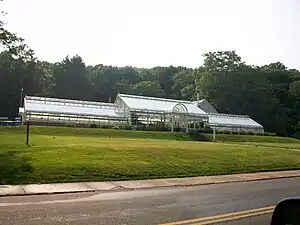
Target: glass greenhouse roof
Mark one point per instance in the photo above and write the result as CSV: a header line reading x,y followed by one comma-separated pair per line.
x,y
158,104
232,120
73,107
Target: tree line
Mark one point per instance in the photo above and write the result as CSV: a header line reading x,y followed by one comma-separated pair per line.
x,y
269,94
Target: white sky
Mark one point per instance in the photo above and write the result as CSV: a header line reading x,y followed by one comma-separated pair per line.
x,y
147,33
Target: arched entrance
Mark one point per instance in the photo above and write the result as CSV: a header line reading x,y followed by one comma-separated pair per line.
x,y
179,117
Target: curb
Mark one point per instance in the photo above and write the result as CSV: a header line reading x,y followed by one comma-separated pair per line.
x,y
63,188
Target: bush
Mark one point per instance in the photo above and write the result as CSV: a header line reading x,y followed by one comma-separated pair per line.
x,y
164,129
242,132
250,133
297,135
93,125
226,132
177,129
208,130
116,127
199,137
127,127
235,132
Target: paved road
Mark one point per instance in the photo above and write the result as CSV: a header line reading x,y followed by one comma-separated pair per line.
x,y
156,206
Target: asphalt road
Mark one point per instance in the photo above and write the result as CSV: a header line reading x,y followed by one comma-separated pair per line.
x,y
155,206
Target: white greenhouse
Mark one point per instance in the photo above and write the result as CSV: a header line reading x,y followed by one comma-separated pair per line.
x,y
134,111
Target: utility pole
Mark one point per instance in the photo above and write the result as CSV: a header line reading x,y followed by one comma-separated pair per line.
x,y
21,97
27,133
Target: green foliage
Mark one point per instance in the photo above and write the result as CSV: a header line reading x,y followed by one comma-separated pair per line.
x,y
242,132
222,61
93,125
297,131
148,88
295,89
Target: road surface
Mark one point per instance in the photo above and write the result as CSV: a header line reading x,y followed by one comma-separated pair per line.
x,y
199,205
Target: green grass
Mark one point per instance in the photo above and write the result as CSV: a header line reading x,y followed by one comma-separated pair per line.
x,y
96,132
254,138
69,155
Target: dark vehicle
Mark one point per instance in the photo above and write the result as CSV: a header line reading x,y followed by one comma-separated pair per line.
x,y
287,212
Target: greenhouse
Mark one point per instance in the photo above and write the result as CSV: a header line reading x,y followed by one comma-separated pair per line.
x,y
160,112
52,111
134,112
234,123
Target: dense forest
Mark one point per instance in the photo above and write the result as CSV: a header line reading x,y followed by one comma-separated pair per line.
x,y
269,94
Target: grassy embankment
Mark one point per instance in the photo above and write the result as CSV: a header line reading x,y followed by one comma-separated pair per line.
x,y
61,154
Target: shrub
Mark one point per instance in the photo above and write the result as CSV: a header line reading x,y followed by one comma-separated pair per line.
x,y
250,133
199,137
127,127
164,129
177,129
116,127
93,125
297,135
242,132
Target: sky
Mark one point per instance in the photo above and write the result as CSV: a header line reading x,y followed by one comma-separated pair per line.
x,y
148,33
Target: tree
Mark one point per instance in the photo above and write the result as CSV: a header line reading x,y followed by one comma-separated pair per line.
x,y
147,75
14,75
222,61
148,88
165,80
236,88
295,89
183,84
13,44
48,84
71,79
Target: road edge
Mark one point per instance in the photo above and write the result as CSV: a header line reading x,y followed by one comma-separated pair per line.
x,y
61,188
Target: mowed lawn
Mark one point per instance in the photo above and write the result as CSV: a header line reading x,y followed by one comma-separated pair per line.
x,y
70,158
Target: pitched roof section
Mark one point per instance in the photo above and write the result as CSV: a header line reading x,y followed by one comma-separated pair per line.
x,y
237,121
205,106
157,104
68,107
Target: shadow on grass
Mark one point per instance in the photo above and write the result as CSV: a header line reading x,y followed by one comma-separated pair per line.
x,y
14,169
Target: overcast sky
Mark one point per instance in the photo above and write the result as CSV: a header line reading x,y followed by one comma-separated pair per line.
x,y
147,33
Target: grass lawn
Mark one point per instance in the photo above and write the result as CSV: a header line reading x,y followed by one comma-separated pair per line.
x,y
69,156
254,138
295,146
